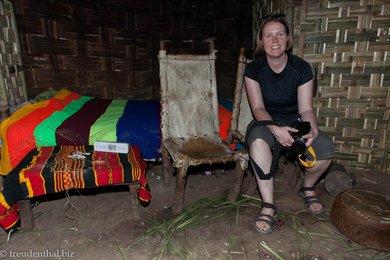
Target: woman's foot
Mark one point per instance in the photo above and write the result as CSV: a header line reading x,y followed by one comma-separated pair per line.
x,y
311,200
265,220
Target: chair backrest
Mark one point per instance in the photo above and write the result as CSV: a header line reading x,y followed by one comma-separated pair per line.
x,y
242,113
189,103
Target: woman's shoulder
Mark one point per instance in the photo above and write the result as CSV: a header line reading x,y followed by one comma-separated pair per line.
x,y
251,70
258,62
301,67
296,61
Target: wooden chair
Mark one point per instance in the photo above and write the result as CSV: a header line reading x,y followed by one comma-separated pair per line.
x,y
189,119
241,113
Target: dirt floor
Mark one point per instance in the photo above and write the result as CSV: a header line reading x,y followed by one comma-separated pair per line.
x,y
96,224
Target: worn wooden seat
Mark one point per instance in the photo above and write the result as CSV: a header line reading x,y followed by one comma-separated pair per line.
x,y
189,119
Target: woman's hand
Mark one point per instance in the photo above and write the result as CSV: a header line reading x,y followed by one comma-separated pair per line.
x,y
283,134
309,138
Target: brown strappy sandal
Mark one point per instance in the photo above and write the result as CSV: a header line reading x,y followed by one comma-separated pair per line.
x,y
309,200
268,219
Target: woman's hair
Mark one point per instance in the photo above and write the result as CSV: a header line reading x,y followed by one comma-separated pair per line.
x,y
280,18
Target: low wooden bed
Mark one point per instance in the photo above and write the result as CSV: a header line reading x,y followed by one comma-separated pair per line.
x,y
47,147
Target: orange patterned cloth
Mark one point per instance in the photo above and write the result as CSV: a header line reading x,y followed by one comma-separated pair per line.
x,y
53,169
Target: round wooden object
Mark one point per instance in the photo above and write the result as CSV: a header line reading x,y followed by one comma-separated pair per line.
x,y
338,179
364,217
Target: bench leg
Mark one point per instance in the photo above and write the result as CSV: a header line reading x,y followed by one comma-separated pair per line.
x,y
26,214
134,200
1,182
167,167
252,185
238,178
181,178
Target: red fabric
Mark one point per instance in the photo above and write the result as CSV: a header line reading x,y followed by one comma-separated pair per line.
x,y
224,121
18,130
46,170
8,218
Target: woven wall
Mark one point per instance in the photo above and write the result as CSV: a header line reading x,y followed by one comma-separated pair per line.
x,y
348,45
12,84
109,48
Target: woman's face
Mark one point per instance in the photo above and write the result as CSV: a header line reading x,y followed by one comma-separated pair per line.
x,y
274,39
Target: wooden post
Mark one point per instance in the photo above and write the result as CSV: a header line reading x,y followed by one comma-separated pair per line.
x,y
133,187
179,192
238,178
167,167
26,214
338,179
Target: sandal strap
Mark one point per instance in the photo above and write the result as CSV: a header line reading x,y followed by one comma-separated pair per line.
x,y
268,205
261,217
311,199
303,189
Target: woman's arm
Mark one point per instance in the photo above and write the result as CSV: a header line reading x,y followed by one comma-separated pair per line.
x,y
255,98
256,102
305,109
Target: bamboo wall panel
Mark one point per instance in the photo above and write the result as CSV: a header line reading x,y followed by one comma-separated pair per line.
x,y
348,46
12,81
109,48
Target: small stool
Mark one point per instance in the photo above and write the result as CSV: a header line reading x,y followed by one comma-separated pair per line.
x,y
364,217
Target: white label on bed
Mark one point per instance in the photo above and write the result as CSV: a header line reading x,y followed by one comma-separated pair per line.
x,y
111,147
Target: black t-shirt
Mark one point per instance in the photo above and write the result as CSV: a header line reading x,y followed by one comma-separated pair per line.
x,y
280,90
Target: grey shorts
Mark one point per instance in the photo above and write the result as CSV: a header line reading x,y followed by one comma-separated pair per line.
x,y
322,145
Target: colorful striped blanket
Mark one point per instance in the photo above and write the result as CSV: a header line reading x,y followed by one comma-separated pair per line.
x,y
46,170
72,119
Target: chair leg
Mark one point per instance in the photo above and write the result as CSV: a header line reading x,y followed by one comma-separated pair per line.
x,y
295,171
238,178
26,214
167,166
181,177
1,182
252,186
134,200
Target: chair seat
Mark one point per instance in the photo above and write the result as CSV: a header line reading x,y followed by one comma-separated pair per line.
x,y
195,151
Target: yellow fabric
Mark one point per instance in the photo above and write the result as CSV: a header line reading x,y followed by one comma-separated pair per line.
x,y
308,164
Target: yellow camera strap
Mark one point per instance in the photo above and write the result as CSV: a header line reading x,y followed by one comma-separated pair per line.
x,y
303,158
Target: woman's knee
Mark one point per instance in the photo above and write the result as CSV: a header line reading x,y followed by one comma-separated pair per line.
x,y
259,144
324,147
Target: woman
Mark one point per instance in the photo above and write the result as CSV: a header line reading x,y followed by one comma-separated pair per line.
x,y
280,89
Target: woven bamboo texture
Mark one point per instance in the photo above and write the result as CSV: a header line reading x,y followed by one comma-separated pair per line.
x,y
348,46
12,84
109,48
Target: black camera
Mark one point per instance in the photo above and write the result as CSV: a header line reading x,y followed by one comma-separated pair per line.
x,y
303,128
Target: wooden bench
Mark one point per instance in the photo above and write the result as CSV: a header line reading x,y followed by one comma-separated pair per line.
x,y
48,170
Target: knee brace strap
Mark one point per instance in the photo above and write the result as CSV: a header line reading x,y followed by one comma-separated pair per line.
x,y
259,171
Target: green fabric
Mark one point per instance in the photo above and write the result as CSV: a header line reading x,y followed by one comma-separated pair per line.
x,y
104,129
45,95
45,132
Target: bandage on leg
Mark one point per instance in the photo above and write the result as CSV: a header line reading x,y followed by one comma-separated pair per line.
x,y
259,171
